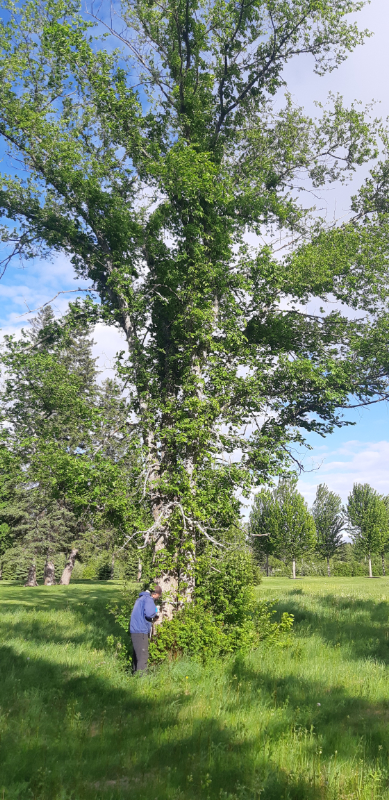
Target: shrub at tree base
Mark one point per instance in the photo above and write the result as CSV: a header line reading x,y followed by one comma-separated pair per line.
x,y
224,617
196,632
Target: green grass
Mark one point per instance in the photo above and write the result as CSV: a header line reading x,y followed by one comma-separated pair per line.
x,y
302,722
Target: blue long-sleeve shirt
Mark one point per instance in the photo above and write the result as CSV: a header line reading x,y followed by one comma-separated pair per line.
x,y
143,612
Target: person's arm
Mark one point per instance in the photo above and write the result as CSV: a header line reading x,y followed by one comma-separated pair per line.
x,y
149,609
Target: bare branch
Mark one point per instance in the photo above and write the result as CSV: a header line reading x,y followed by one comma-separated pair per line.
x,y
68,291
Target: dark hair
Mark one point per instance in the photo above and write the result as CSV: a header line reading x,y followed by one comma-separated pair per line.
x,y
157,590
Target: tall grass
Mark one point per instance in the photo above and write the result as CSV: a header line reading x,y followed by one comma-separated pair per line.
x,y
306,721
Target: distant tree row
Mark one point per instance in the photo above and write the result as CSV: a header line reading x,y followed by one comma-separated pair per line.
x,y
282,526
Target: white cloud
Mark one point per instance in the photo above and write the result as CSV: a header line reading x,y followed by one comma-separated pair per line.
x,y
108,342
353,462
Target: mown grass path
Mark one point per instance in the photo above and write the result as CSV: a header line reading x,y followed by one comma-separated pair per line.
x,y
301,722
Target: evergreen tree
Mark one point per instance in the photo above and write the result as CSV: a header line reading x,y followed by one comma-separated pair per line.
x,y
368,520
329,519
75,443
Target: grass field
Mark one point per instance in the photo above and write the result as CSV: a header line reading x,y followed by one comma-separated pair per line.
x,y
303,722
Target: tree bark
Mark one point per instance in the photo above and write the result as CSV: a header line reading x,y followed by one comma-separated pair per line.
x,y
113,566
1,572
69,566
31,578
383,563
267,565
49,576
328,567
294,569
370,570
168,581
139,573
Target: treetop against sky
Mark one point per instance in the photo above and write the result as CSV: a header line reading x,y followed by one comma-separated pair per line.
x,y
255,141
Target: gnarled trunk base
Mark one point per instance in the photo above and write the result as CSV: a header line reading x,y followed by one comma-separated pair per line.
x,y
31,578
49,573
69,566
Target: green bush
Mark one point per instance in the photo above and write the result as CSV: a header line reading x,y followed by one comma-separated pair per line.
x,y
360,568
193,631
278,568
342,569
196,632
224,616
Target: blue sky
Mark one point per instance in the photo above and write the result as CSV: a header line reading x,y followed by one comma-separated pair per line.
x,y
357,453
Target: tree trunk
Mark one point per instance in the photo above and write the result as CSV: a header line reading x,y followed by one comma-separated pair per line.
x,y
167,580
113,566
383,563
294,569
31,579
1,572
370,570
69,566
328,567
169,585
139,574
49,575
267,565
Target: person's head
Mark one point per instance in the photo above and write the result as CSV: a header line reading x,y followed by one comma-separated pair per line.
x,y
156,593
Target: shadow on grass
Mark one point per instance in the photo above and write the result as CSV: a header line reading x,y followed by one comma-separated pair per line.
x,y
362,625
69,734
74,736
89,605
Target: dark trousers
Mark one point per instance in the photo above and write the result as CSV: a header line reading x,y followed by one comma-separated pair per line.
x,y
140,643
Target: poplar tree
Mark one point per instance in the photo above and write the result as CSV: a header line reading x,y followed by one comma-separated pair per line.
x,y
327,511
368,520
264,525
151,160
296,527
281,519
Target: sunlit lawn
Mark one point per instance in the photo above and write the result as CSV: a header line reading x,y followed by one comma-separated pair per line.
x,y
310,720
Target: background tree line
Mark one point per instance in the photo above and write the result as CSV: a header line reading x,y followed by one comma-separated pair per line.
x,y
284,531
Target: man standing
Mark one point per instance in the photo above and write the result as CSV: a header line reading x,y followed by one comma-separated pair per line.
x,y
143,614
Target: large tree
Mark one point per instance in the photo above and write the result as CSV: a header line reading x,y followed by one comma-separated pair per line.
x,y
156,166
327,511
